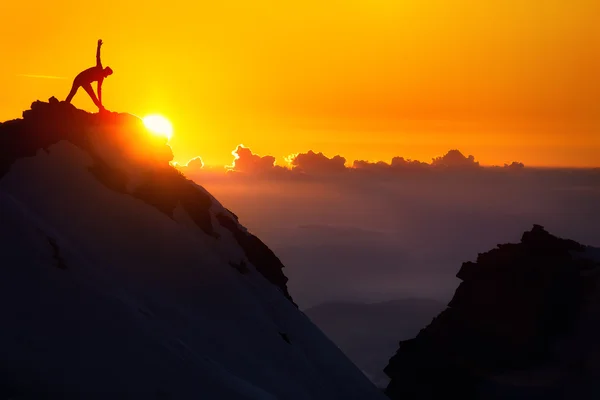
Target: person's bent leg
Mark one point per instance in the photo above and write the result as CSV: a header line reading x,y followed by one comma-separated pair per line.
x,y
88,88
72,92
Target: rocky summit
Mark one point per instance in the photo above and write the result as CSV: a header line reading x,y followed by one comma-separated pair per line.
x,y
521,325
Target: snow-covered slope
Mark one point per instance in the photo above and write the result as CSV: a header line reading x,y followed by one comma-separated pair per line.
x,y
119,278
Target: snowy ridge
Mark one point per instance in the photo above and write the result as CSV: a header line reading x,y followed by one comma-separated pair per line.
x,y
121,279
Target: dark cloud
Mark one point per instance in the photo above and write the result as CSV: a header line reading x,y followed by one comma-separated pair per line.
x,y
514,165
400,162
397,164
379,166
312,162
454,159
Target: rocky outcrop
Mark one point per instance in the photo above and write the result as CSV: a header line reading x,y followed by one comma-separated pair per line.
x,y
48,123
515,303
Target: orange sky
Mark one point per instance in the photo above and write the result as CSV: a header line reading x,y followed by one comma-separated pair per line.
x,y
510,80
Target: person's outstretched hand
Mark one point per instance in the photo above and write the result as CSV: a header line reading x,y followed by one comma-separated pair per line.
x,y
99,42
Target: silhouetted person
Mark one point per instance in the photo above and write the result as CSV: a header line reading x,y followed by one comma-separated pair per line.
x,y
85,79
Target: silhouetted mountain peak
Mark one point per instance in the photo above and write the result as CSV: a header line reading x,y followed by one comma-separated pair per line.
x,y
128,159
540,239
49,122
517,308
120,276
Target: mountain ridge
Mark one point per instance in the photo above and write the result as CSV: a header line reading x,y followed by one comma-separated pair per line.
x,y
120,278
163,186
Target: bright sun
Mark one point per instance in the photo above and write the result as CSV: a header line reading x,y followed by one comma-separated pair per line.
x,y
158,125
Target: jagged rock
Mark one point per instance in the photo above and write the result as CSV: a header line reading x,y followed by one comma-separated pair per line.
x,y
258,253
514,304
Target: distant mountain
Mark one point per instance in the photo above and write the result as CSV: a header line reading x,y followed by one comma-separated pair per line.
x,y
369,333
523,324
120,278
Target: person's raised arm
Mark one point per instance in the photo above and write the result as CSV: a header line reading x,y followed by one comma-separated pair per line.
x,y
98,62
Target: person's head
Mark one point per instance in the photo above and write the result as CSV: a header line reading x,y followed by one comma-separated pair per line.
x,y
107,71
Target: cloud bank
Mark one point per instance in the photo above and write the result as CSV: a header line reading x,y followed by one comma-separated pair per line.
x,y
311,163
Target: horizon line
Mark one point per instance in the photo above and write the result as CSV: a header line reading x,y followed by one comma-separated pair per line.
x,y
349,166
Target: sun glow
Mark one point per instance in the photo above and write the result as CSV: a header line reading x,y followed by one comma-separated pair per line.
x,y
158,125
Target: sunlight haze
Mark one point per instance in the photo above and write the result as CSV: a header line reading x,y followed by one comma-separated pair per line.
x,y
159,125
516,80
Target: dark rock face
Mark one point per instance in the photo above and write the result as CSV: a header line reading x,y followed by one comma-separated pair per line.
x,y
512,305
60,263
162,186
265,261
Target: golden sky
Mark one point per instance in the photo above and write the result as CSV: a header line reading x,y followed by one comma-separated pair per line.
x,y
504,80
